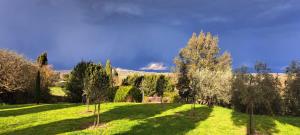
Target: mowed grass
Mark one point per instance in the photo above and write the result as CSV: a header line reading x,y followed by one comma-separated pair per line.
x,y
57,91
137,119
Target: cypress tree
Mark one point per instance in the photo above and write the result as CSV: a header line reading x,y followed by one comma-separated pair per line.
x,y
161,86
108,69
42,60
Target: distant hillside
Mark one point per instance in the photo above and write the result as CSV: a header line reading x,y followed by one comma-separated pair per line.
x,y
123,73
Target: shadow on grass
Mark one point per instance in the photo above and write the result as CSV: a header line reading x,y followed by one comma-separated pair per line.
x,y
136,111
294,121
263,124
132,111
180,123
34,109
14,106
53,128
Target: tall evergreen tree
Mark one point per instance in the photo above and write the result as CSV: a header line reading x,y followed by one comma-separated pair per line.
x,y
183,82
75,84
109,72
42,60
161,86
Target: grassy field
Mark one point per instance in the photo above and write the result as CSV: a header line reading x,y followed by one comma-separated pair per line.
x,y
131,118
57,91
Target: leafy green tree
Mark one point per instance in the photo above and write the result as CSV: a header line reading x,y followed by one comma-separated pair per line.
x,y
75,83
248,94
201,54
98,83
211,87
148,85
87,87
258,93
161,85
268,85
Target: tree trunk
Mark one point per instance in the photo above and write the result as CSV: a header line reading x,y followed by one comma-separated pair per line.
x,y
88,103
95,121
194,106
251,129
143,96
98,117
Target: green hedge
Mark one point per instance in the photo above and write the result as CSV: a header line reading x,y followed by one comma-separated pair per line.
x,y
128,93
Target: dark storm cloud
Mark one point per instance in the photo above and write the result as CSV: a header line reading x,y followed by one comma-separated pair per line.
x,y
134,33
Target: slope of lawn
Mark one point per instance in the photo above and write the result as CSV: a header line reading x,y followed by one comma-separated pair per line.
x,y
57,91
133,118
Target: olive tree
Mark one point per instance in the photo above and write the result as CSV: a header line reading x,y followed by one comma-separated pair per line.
x,y
96,87
201,56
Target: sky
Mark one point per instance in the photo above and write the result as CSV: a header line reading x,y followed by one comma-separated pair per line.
x,y
148,34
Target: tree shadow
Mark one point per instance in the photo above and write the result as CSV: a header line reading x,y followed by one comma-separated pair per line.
x,y
179,123
52,128
294,121
14,106
132,111
263,124
136,111
34,109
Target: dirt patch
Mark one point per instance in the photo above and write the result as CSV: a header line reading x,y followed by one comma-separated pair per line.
x,y
86,112
90,125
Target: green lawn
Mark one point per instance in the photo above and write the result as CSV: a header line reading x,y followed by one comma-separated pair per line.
x,y
131,118
57,91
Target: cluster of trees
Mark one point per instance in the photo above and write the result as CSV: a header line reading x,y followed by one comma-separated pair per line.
x,y
24,81
205,76
263,92
150,85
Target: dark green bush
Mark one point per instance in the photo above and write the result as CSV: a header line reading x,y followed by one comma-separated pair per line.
x,y
128,93
111,93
